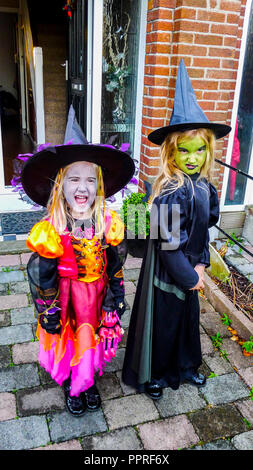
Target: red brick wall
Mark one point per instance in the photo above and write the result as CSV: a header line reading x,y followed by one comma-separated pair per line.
x,y
207,35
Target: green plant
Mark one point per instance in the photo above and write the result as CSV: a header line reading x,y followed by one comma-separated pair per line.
x,y
224,354
226,320
217,340
11,364
211,375
251,394
237,239
247,422
248,345
135,215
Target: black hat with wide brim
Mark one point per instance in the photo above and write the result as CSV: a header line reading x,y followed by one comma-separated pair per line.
x,y
41,169
187,114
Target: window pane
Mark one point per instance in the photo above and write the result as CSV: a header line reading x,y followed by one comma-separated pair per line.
x,y
243,141
120,63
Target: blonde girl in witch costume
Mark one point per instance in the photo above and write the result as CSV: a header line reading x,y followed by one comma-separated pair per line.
x,y
75,273
163,347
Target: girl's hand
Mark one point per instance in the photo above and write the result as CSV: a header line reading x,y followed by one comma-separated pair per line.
x,y
200,269
200,285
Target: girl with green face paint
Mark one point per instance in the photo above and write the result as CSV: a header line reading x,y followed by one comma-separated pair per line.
x,y
178,274
190,155
185,153
163,347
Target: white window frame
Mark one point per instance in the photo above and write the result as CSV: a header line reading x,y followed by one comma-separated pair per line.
x,y
96,86
248,197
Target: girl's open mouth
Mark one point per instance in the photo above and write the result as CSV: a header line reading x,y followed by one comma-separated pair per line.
x,y
191,167
80,200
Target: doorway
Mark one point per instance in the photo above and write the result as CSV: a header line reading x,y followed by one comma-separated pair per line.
x,y
14,138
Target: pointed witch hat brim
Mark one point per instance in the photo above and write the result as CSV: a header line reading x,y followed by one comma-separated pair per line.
x,y
186,114
41,169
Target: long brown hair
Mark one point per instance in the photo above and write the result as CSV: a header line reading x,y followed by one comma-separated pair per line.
x,y
169,173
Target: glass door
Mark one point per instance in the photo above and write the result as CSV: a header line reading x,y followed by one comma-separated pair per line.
x,y
242,146
77,64
121,31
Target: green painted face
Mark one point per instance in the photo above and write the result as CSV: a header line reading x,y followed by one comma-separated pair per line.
x,y
191,154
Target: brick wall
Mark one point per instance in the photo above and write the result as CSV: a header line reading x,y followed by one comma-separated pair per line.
x,y
207,35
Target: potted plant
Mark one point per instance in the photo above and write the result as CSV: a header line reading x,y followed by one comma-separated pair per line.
x,y
136,217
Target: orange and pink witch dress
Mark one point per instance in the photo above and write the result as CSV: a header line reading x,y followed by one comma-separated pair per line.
x,y
72,274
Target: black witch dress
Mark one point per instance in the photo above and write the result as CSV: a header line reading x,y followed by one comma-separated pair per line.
x,y
163,338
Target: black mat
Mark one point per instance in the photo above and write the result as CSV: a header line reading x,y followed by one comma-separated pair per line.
x,y
20,222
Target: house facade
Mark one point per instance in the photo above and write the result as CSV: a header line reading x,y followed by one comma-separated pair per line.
x,y
116,62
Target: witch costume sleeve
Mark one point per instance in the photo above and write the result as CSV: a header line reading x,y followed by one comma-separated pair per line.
x,y
115,296
43,277
163,293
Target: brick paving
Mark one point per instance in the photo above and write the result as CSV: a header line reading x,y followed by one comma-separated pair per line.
x,y
218,416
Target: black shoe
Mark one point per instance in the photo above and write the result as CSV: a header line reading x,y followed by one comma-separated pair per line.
x,y
75,405
153,390
93,400
196,379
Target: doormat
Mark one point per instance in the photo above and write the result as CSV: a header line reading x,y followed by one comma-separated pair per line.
x,y
19,222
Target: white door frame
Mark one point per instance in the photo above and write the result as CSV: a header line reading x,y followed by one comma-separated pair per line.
x,y
39,95
248,198
96,87
89,71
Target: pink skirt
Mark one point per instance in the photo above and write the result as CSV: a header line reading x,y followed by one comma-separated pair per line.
x,y
78,350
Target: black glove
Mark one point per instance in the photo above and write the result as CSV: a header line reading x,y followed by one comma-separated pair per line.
x,y
120,305
51,322
112,302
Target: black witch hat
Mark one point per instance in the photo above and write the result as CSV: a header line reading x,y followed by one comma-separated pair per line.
x,y
186,114
41,169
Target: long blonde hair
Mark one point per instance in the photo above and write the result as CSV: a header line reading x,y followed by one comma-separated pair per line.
x,y
58,209
169,173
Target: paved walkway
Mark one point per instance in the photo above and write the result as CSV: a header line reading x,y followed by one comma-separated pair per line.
x,y
32,410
